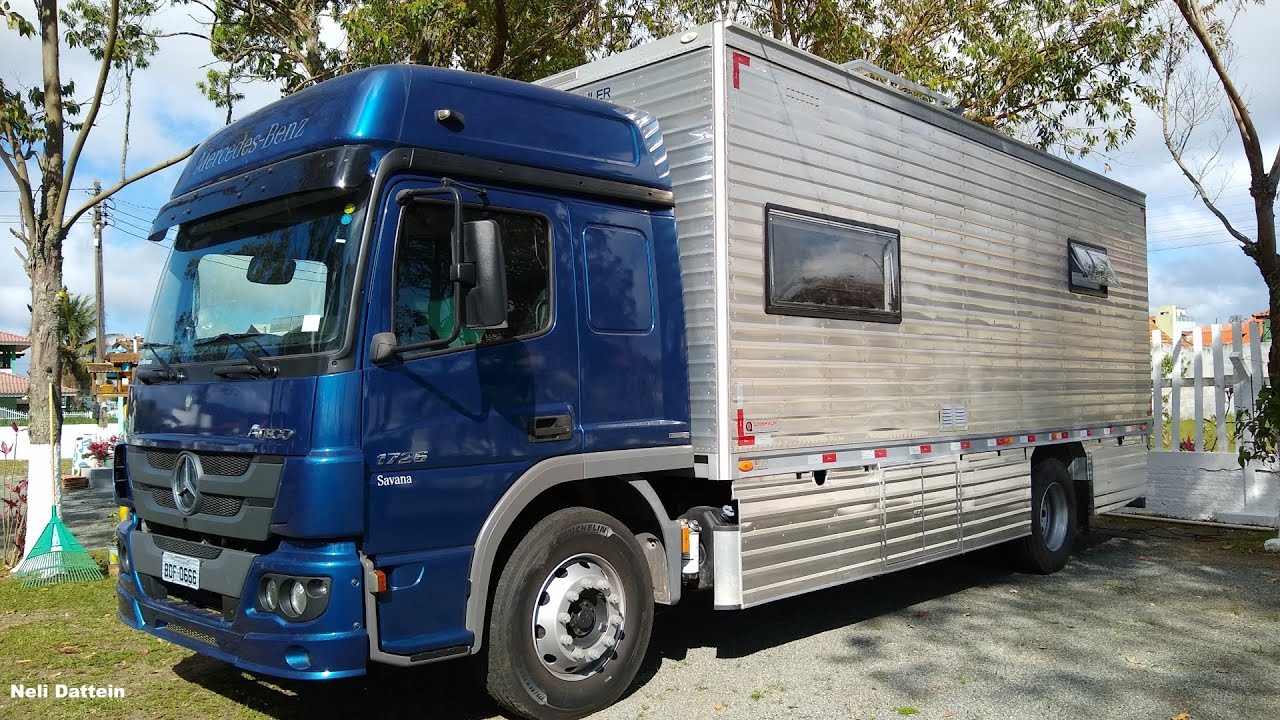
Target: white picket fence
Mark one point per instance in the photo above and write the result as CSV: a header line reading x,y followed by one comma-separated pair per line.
x,y
1225,377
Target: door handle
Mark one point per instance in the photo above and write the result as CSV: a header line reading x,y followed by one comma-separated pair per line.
x,y
545,428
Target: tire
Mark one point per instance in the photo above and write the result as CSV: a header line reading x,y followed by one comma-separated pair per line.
x,y
557,569
1053,520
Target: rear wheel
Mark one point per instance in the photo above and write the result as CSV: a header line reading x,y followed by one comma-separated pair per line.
x,y
571,617
1053,521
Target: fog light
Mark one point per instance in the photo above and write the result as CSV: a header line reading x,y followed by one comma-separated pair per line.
x,y
293,601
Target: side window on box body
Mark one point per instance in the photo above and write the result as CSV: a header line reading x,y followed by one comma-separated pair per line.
x,y
423,307
1089,269
827,267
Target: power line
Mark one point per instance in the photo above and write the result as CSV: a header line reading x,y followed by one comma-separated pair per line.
x,y
118,211
139,206
1193,245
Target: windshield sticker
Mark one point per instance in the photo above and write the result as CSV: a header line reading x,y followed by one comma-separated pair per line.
x,y
277,134
310,323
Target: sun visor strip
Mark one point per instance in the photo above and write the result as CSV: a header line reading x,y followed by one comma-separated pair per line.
x,y
339,167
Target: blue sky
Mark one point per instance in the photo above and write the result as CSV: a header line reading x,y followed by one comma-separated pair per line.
x,y
1189,264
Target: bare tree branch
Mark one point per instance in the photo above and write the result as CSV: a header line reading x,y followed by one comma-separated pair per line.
x,y
131,179
1190,10
17,167
108,55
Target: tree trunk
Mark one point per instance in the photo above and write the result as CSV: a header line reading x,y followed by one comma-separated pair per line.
x,y
128,113
46,369
1269,265
44,265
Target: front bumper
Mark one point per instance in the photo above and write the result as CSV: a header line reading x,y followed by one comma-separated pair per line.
x,y
333,645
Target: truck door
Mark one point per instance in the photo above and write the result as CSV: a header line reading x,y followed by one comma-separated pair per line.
x,y
634,389
447,432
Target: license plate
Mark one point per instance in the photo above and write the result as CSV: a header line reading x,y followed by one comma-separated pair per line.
x,y
180,570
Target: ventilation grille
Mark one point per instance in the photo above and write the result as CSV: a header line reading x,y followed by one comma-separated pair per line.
x,y
803,97
184,547
191,633
213,464
953,417
219,505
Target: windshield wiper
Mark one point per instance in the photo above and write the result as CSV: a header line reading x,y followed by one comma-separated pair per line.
x,y
266,370
169,374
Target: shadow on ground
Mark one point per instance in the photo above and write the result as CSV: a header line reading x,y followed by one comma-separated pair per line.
x,y
1063,642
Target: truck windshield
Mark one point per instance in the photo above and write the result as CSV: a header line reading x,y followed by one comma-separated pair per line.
x,y
276,276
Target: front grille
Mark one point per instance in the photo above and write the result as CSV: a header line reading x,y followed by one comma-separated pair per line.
x,y
182,547
190,632
226,465
219,505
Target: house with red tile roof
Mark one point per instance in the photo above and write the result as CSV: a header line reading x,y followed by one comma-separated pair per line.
x,y
14,387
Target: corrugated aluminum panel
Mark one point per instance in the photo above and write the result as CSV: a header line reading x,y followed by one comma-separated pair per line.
x,y
995,502
1119,473
988,321
798,535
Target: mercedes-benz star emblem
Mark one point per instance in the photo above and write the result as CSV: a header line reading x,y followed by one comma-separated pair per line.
x,y
186,479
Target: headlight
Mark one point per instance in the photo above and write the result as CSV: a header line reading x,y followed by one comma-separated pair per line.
x,y
269,594
297,599
294,601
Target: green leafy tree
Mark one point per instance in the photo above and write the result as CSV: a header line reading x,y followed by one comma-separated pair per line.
x,y
77,323
282,43
266,40
36,124
1062,75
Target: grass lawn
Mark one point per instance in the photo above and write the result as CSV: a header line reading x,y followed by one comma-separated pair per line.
x,y
69,634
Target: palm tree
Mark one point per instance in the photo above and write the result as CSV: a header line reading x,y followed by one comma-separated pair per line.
x,y
77,323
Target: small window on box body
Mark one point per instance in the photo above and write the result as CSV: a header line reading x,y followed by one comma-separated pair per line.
x,y
826,267
1089,269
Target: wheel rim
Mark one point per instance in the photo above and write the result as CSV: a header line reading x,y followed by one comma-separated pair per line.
x,y
1053,517
578,617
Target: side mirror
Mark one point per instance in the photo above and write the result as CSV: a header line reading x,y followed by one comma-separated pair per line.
x,y
265,270
486,302
383,347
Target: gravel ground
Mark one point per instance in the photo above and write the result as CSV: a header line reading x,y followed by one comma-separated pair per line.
x,y
1147,621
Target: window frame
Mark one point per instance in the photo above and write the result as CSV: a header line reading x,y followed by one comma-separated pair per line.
x,y
1101,291
795,309
481,207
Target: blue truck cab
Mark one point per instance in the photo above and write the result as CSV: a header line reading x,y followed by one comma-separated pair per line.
x,y
414,367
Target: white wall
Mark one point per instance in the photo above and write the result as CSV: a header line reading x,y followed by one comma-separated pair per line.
x,y
1211,486
70,433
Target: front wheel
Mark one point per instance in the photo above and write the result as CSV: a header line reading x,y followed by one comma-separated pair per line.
x,y
1053,520
571,617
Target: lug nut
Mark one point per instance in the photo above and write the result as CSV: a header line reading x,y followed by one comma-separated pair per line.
x,y
605,586
564,618
610,641
566,640
571,596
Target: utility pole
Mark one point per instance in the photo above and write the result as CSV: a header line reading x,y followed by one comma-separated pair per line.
x,y
101,349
